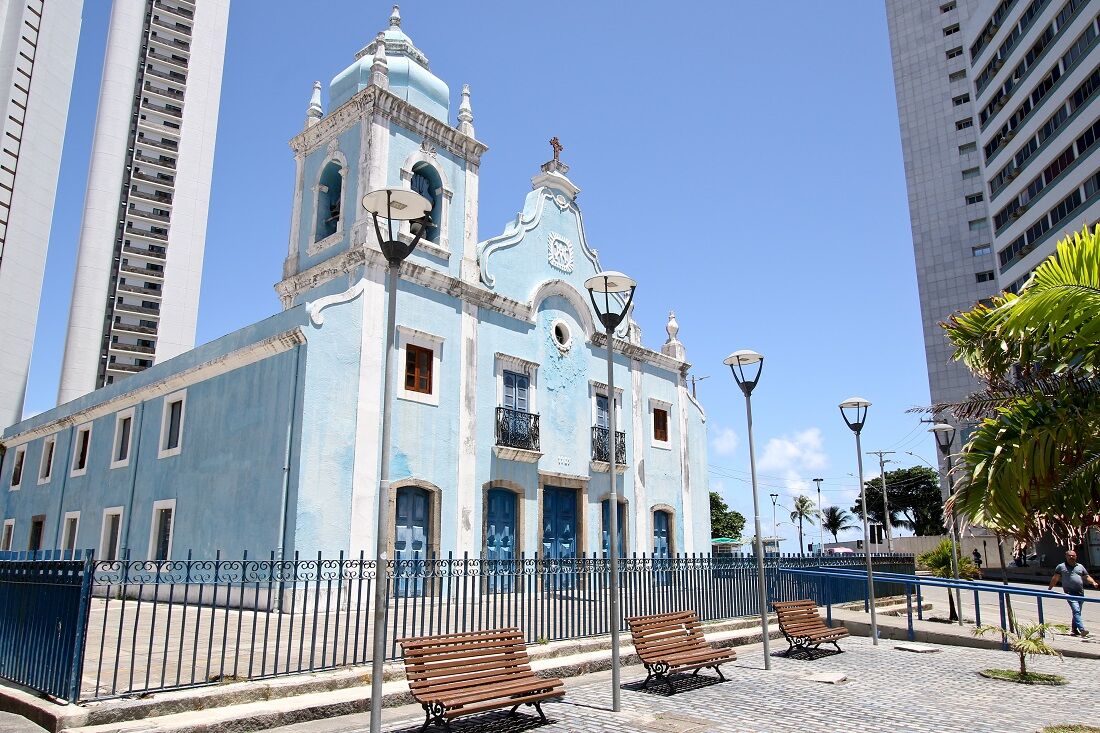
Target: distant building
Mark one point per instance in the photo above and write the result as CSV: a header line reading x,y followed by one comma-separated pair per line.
x,y
267,439
139,264
38,44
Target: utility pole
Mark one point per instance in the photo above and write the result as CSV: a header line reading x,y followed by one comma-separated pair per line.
x,y
885,497
695,380
820,519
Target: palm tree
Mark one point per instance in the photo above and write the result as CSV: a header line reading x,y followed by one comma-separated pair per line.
x,y
804,510
938,561
835,520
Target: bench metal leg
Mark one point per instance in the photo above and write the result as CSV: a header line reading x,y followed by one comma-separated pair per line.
x,y
538,709
719,673
648,677
433,715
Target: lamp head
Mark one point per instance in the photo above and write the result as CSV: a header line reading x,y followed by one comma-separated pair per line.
x,y
945,436
854,412
746,378
608,283
398,204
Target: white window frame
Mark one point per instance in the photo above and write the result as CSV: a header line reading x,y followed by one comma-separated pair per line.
x,y
119,417
11,540
157,507
42,464
163,451
519,365
107,513
600,389
442,248
65,531
21,451
73,470
655,403
406,336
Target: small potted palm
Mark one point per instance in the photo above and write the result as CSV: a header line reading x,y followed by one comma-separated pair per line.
x,y
1029,640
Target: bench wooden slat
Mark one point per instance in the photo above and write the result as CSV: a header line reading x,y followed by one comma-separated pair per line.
x,y
802,625
674,642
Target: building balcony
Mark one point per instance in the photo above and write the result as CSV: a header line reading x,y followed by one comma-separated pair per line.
x,y
160,198
173,44
162,110
166,59
131,308
118,366
131,328
143,271
168,181
173,76
160,256
166,93
146,234
180,28
601,450
127,288
163,162
517,435
175,9
131,348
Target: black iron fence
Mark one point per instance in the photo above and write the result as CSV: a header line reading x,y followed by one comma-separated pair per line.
x,y
133,627
600,449
517,429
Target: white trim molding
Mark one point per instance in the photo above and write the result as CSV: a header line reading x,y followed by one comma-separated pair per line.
x,y
63,539
406,336
157,507
121,415
114,511
163,449
659,404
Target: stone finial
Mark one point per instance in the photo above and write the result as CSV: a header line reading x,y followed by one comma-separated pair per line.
x,y
380,67
395,17
314,113
673,347
466,113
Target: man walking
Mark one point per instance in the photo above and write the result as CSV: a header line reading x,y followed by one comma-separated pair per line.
x,y
977,558
1073,577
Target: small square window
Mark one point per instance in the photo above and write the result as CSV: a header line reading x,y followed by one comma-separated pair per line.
x,y
978,224
974,198
418,369
951,29
982,250
984,277
171,424
957,75
970,173
81,446
961,99
968,148
947,7
963,124
45,464
17,466
660,424
954,52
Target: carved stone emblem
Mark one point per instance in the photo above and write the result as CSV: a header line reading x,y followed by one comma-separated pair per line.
x,y
428,149
560,253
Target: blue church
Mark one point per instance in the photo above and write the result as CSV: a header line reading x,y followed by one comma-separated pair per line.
x,y
268,439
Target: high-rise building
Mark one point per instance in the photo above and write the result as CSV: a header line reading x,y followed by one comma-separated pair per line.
x,y
38,43
952,240
139,266
1035,68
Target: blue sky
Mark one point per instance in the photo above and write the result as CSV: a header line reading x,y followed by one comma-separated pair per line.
x,y
742,161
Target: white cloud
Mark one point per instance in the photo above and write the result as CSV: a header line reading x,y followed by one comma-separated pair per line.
x,y
791,457
725,442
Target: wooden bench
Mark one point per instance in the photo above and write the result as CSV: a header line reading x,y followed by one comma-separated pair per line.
x,y
672,642
803,626
473,672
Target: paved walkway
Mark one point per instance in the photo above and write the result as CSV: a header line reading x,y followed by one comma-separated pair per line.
x,y
887,689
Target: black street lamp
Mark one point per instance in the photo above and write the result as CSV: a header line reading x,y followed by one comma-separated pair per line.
x,y
854,412
392,204
747,380
945,439
610,283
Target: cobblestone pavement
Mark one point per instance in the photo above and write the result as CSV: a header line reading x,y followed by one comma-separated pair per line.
x,y
887,690
12,723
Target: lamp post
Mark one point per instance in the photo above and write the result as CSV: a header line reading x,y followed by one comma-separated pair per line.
x,y
945,438
854,412
775,527
737,361
392,204
607,284
820,520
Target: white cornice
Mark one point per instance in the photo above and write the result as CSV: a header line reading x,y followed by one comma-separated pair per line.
x,y
218,365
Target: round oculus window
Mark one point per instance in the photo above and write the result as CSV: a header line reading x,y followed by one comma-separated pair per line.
x,y
563,339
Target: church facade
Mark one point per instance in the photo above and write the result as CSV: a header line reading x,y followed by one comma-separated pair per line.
x,y
267,440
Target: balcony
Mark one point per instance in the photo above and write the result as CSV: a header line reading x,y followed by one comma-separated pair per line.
x,y
145,253
131,328
127,288
160,198
143,271
601,450
134,232
183,30
164,161
171,43
118,366
182,12
181,63
159,180
162,110
132,348
131,308
517,435
167,93
173,76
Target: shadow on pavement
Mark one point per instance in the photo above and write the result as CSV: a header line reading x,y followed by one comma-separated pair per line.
x,y
680,683
498,722
806,655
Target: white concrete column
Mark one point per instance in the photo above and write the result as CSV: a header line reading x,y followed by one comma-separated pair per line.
x,y
467,432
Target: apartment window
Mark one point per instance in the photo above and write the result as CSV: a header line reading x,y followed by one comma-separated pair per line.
x,y
45,464
120,452
968,148
954,52
17,466
418,369
421,355
68,531
974,198
81,446
111,534
963,124
957,76
970,173
160,533
961,99
660,422
9,533
947,7
951,29
984,277
38,523
981,250
517,387
171,424
978,224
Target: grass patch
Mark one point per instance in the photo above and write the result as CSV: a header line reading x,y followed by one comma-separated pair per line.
x,y
1031,678
1070,728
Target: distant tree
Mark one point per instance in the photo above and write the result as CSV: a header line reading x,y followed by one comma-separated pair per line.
x,y
724,522
835,520
915,501
804,510
938,562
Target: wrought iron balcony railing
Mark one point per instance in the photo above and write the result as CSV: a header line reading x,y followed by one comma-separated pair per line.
x,y
600,450
517,429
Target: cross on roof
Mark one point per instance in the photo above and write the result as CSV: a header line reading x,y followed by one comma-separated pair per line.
x,y
557,146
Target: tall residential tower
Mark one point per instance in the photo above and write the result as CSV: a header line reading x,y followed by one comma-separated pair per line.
x,y
38,43
139,266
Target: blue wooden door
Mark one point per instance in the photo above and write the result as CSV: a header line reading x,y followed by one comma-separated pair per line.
x,y
410,547
661,545
559,529
606,529
500,539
